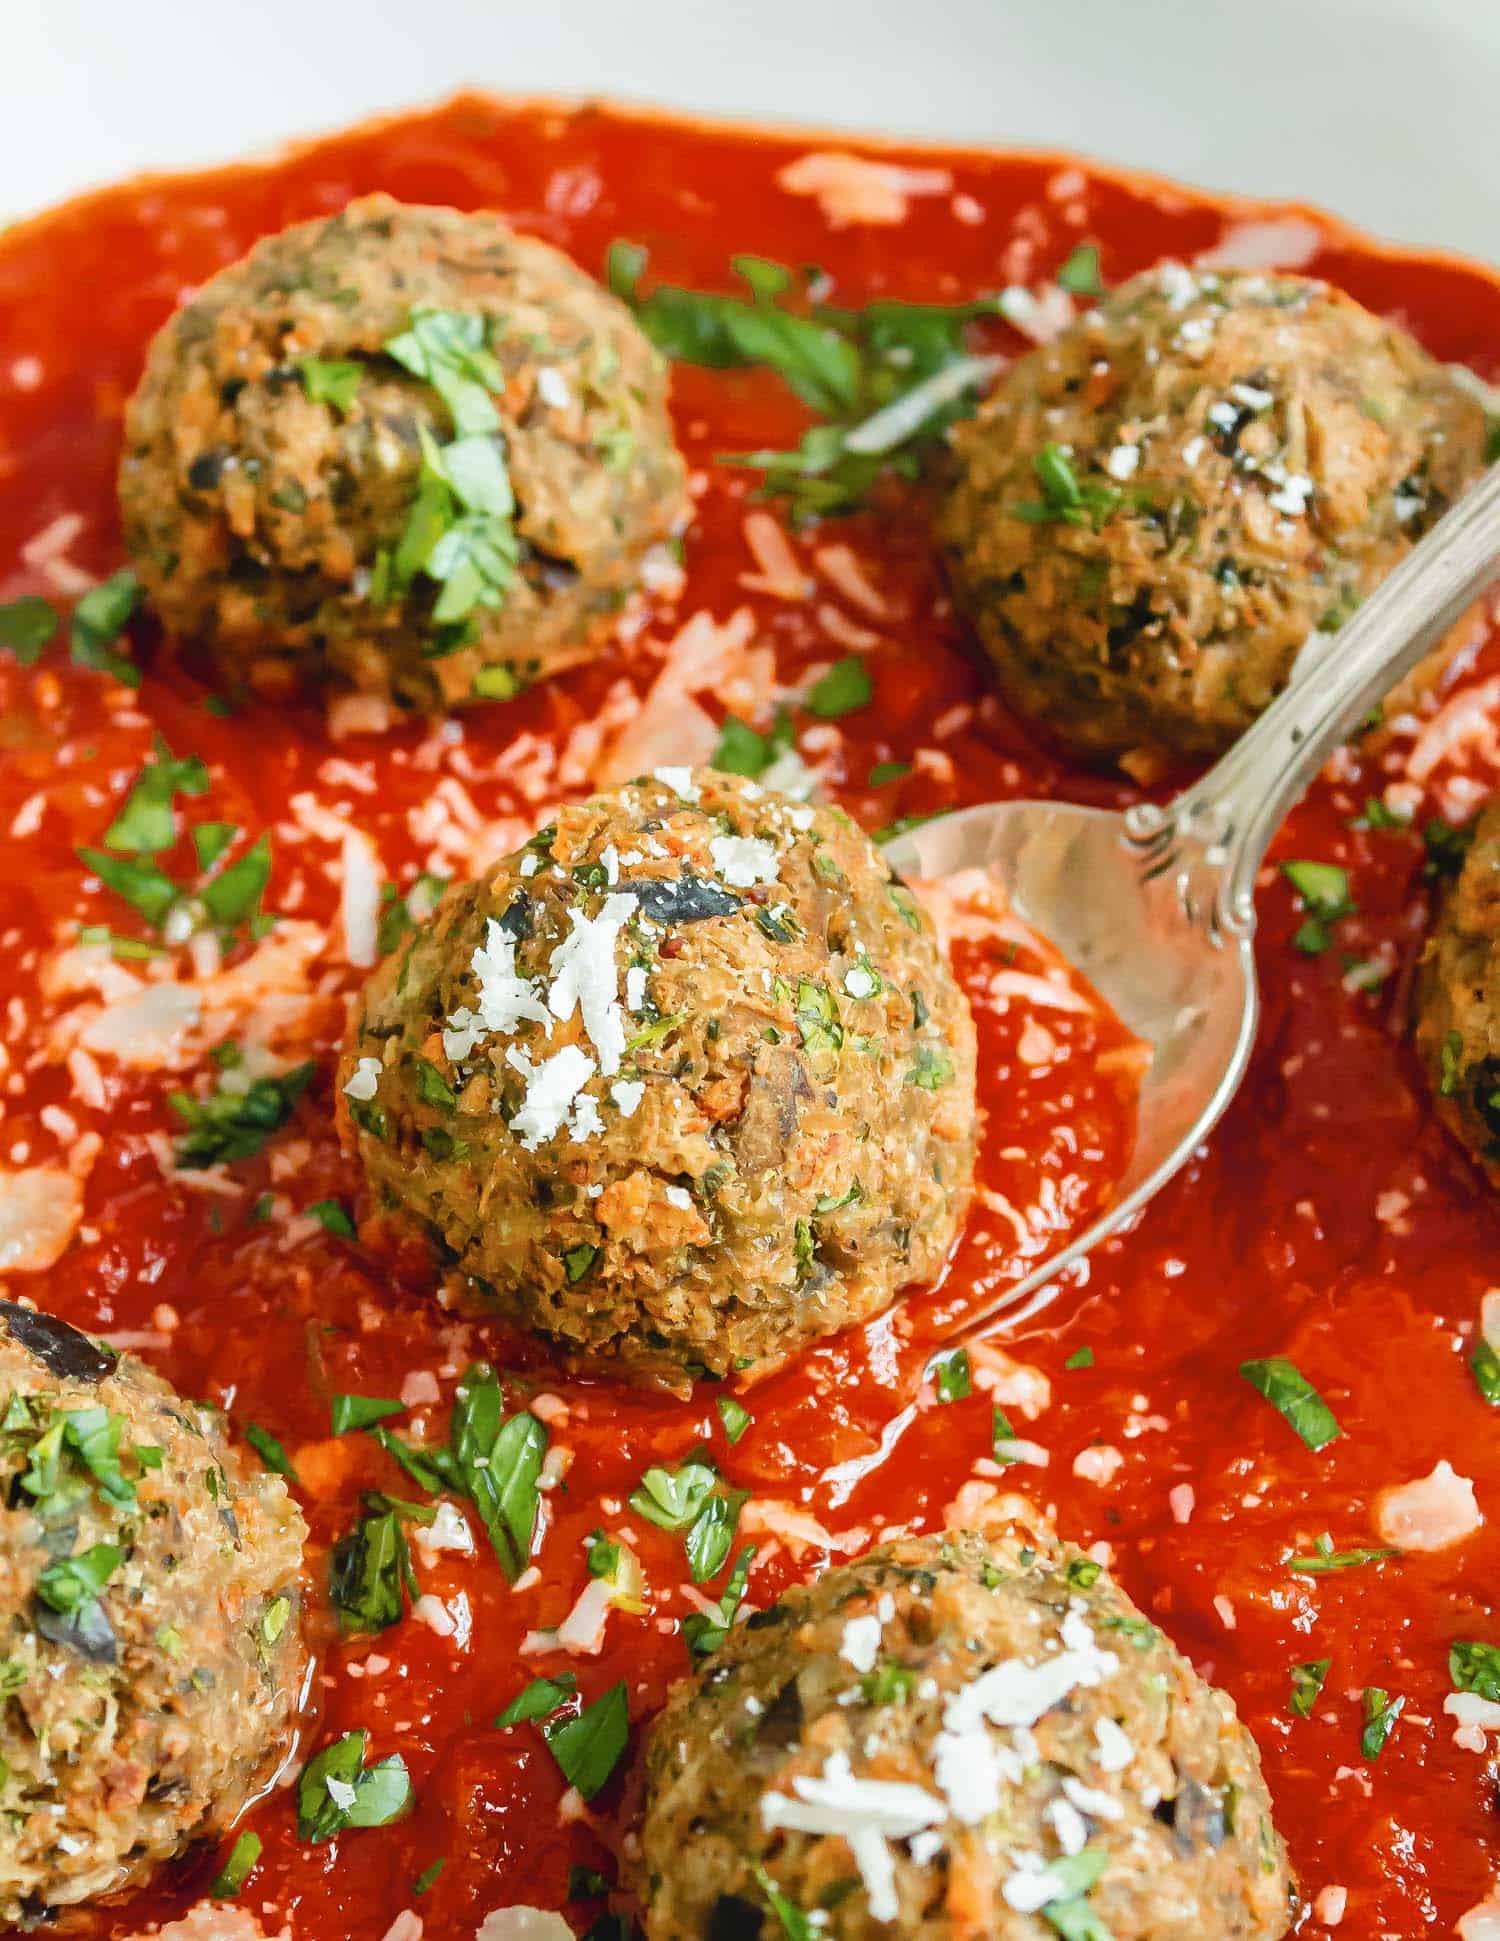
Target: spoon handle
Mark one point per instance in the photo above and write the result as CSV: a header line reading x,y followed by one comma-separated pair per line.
x,y
1236,808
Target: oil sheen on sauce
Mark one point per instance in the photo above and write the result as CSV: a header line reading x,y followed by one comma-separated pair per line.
x,y
1328,1219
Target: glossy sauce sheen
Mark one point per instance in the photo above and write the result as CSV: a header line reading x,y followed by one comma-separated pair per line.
x,y
1329,1220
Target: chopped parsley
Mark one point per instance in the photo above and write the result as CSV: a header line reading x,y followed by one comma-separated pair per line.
x,y
1294,1398
884,772
1324,890
1307,1682
889,1684
735,1417
1080,1358
337,1790
427,1877
1069,1913
233,896
933,1069
588,1748
235,1121
147,889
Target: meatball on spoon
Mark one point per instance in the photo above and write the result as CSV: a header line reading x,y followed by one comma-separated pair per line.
x,y
1156,906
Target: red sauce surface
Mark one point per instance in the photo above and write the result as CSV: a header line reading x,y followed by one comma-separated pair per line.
x,y
1329,1219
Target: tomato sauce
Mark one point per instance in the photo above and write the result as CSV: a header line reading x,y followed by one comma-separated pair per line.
x,y
1329,1219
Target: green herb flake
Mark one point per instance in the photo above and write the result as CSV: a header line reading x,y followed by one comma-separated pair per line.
x,y
231,1877
795,1925
332,381
370,1574
147,821
1326,1559
1324,891
1079,274
428,1877
333,1217
735,1417
99,619
1080,1358
270,1451
147,889
211,839
1307,1683
1484,1365
234,895
347,1412
26,626
589,1747
1294,1398
845,687
703,1633
538,1700
1381,1712
950,1374
1475,1667
234,1123
359,1796
672,1498
499,1460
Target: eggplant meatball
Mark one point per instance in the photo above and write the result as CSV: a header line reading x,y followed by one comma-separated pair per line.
x,y
402,448
683,1084
1458,999
951,1737
150,1657
1153,515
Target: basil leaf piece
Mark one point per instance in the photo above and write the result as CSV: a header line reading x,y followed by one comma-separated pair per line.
x,y
346,1412
588,1748
672,1498
1381,1712
237,1868
795,1925
147,821
499,1462
1307,1683
270,1451
230,1125
26,625
336,1789
1475,1667
1324,890
703,1633
333,1218
951,1375
845,687
1484,1365
98,620
235,893
711,1537
1079,274
539,1700
211,839
735,1417
332,381
147,889
1294,1398
1328,1559
370,1574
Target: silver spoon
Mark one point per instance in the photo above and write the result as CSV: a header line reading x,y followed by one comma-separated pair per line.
x,y
1156,907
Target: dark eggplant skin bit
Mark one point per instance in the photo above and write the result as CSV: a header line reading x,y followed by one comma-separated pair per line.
x,y
61,1349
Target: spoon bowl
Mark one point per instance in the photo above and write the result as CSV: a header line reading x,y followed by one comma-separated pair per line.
x,y
1156,907
1073,875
